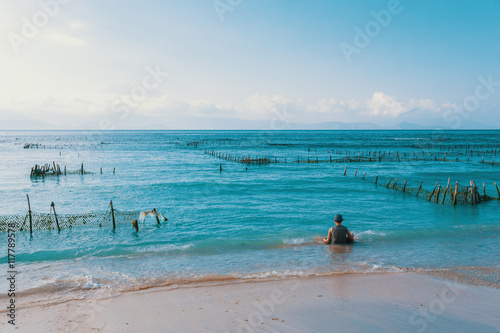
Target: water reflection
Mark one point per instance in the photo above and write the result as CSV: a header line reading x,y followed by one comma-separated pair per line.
x,y
340,252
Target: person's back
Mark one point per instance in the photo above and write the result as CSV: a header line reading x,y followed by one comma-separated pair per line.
x,y
339,234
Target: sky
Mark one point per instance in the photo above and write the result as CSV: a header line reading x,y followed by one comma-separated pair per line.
x,y
249,64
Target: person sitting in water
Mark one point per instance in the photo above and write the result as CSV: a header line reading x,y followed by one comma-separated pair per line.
x,y
339,234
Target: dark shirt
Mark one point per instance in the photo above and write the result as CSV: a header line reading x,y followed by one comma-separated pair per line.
x,y
340,235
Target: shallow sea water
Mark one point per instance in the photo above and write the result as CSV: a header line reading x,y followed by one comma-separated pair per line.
x,y
248,221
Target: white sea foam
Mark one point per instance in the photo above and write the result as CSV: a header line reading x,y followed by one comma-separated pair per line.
x,y
164,248
369,234
294,241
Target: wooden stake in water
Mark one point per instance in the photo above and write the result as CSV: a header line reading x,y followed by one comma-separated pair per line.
x,y
345,170
113,214
456,193
419,188
434,190
446,190
471,194
54,209
437,194
29,213
498,192
475,192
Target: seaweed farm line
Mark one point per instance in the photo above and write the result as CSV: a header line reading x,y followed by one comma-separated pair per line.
x,y
56,170
52,221
458,194
340,157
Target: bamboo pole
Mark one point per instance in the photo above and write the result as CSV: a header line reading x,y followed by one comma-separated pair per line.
x,y
355,172
446,190
419,188
404,186
437,194
498,192
394,185
444,194
364,175
471,194
456,193
54,209
376,180
345,170
29,212
475,192
113,214
434,190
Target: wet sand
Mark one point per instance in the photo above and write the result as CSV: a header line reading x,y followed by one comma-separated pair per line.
x,y
395,302
477,276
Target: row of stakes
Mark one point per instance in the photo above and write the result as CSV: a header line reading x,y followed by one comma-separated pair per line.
x,y
369,157
472,190
55,169
135,223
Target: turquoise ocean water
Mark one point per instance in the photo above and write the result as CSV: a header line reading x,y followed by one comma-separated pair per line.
x,y
248,221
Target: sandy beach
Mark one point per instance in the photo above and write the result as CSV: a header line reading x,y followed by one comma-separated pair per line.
x,y
380,302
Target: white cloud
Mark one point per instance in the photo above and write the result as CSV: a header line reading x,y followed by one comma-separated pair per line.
x,y
448,106
76,25
325,105
381,108
257,105
423,104
384,105
60,38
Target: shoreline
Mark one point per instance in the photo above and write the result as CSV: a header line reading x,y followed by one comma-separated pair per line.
x,y
405,301
51,295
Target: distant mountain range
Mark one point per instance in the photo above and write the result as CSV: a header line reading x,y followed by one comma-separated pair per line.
x,y
137,122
